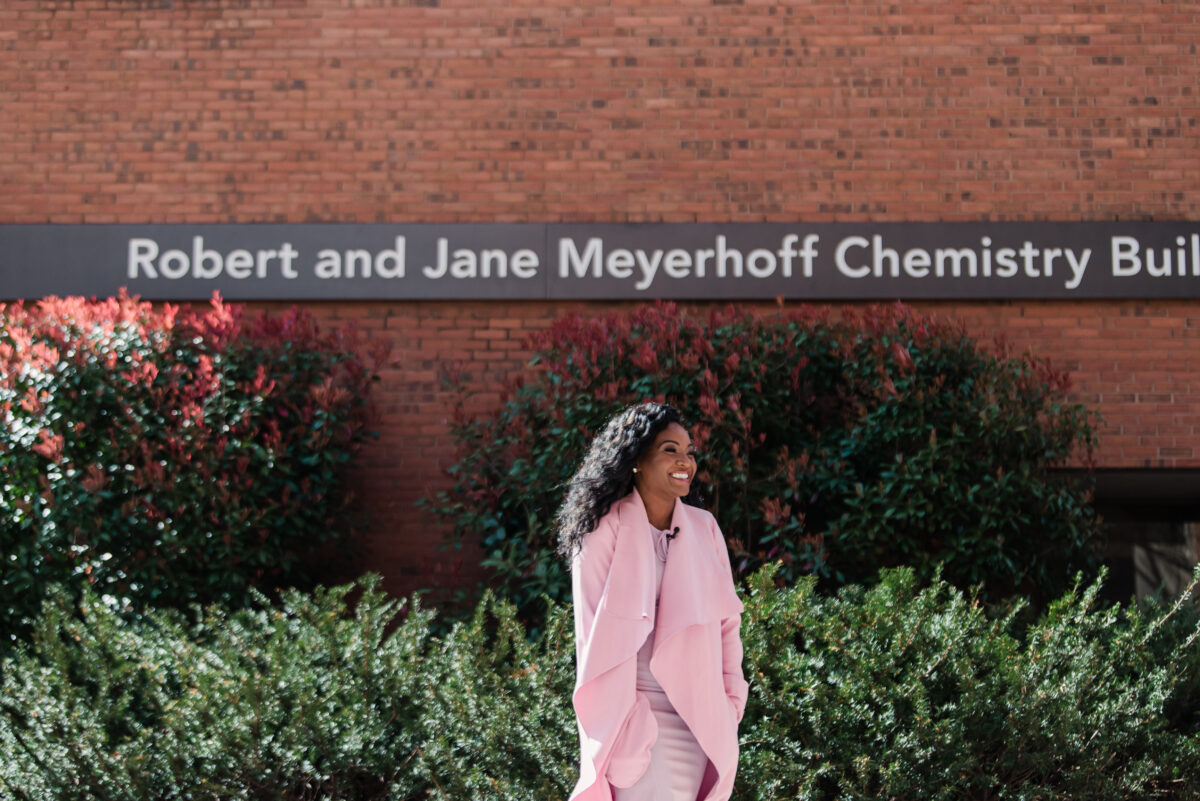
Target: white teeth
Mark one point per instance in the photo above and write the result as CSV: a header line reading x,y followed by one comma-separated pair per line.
x,y
679,475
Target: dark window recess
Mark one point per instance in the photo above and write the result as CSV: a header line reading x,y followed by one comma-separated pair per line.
x,y
1152,522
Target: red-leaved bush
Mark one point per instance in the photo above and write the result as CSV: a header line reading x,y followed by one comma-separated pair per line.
x,y
835,444
169,455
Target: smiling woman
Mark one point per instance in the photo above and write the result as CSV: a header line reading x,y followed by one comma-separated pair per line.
x,y
659,690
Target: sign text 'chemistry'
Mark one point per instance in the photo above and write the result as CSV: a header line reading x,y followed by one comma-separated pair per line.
x,y
858,257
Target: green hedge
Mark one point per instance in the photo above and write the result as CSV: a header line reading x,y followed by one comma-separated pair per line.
x,y
169,455
900,691
836,444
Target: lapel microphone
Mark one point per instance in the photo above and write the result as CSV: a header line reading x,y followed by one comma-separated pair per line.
x,y
673,534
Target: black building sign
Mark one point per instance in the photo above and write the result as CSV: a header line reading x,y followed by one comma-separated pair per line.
x,y
536,261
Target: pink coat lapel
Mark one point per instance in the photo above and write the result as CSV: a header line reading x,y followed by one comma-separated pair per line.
x,y
697,586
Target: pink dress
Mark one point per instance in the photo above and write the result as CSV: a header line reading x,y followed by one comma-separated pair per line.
x,y
677,761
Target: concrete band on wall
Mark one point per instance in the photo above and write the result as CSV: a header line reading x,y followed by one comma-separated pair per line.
x,y
197,112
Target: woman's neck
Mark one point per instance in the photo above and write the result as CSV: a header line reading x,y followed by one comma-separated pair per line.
x,y
659,511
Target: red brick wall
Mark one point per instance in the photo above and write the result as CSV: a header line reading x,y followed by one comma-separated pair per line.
x,y
494,111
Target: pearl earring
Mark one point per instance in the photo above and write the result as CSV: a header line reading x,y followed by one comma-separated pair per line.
x,y
635,469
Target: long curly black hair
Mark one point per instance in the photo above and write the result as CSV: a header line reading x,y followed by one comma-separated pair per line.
x,y
605,475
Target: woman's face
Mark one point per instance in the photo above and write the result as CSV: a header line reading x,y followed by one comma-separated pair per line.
x,y
668,466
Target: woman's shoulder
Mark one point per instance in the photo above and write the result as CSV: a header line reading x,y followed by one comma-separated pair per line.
x,y
620,511
624,513
606,527
700,516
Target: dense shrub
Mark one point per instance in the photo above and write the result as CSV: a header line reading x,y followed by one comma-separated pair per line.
x,y
497,718
906,693
898,691
301,700
168,455
835,445
293,701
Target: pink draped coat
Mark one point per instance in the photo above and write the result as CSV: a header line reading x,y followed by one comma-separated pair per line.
x,y
697,656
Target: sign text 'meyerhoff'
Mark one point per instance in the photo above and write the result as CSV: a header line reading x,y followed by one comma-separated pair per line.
x,y
720,261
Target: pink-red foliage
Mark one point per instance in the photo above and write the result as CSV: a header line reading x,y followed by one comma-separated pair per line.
x,y
171,454
835,442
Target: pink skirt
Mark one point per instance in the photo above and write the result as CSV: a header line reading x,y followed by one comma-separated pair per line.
x,y
677,762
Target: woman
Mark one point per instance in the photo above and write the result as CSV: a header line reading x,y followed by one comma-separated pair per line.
x,y
659,690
